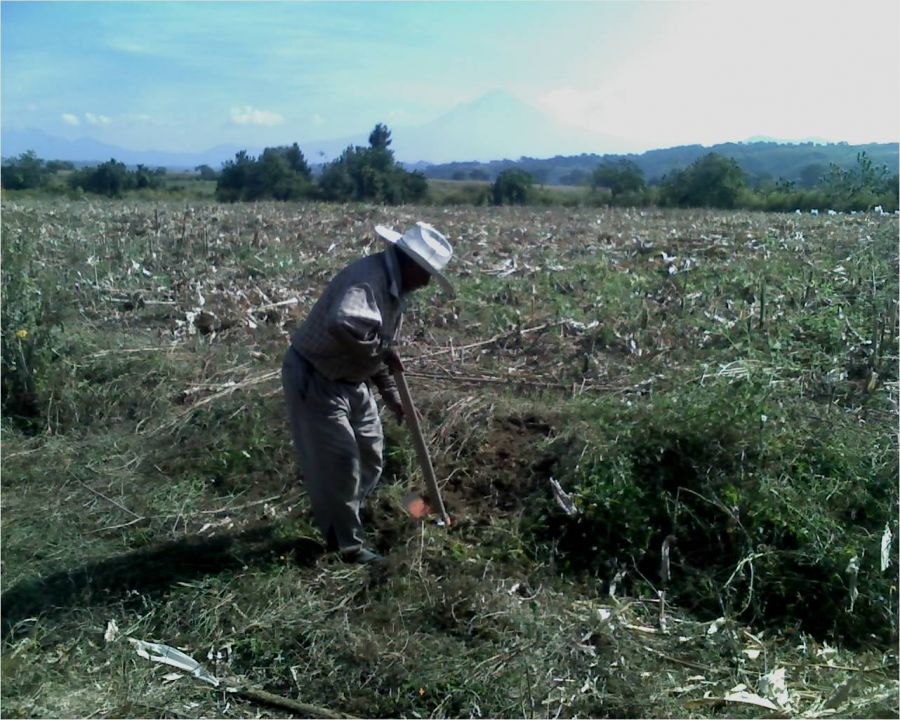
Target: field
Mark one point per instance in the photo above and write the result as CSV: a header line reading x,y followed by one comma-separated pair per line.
x,y
716,392
478,192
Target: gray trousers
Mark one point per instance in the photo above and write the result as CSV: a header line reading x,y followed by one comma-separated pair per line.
x,y
338,438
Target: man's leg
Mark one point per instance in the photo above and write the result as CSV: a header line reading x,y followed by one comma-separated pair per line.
x,y
326,445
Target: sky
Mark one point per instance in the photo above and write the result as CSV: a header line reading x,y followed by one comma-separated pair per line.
x,y
187,76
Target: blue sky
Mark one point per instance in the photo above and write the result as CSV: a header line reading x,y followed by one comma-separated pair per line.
x,y
186,76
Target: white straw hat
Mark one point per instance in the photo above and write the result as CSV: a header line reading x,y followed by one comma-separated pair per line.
x,y
428,248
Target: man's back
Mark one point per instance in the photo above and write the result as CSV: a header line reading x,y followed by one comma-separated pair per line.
x,y
348,328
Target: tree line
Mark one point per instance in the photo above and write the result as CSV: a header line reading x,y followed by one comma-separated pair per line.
x,y
112,178
360,174
279,173
372,174
801,163
716,181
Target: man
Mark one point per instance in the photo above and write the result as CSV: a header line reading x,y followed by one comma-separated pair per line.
x,y
345,346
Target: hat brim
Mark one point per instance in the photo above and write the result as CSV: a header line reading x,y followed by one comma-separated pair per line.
x,y
387,233
392,236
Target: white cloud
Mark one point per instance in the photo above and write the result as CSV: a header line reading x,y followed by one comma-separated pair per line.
x,y
248,115
70,119
94,119
318,120
728,71
128,46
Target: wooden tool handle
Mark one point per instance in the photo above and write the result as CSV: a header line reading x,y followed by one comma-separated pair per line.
x,y
412,421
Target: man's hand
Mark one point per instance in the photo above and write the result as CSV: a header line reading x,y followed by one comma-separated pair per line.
x,y
396,407
392,360
387,386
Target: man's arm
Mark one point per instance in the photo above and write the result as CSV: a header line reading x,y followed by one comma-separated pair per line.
x,y
387,388
355,323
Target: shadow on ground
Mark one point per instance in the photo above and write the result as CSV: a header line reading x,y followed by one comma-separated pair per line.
x,y
147,571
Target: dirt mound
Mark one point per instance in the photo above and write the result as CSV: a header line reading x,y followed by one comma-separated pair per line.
x,y
510,464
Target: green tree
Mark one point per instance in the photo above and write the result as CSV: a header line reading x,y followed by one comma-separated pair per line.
x,y
280,173
371,174
145,178
25,172
295,160
620,177
710,181
415,186
861,187
110,178
56,166
336,181
359,174
380,137
512,186
234,177
206,172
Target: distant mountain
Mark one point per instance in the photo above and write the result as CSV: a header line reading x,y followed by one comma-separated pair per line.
x,y
783,141
494,126
15,141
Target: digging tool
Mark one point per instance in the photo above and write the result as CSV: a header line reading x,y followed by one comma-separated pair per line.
x,y
413,503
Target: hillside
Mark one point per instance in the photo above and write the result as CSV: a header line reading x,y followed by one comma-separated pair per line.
x,y
801,163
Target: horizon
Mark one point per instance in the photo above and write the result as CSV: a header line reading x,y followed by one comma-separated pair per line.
x,y
792,142
187,77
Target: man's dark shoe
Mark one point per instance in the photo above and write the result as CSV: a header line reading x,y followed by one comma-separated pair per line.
x,y
362,556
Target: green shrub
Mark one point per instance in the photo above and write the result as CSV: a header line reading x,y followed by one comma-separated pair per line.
x,y
620,177
113,179
710,181
766,500
371,174
29,172
512,187
28,322
24,172
280,173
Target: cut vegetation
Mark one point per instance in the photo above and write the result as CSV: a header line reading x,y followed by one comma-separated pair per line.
x,y
667,440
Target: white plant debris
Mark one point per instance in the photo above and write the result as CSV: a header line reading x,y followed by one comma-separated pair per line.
x,y
157,652
773,685
614,583
853,573
563,498
739,694
886,539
